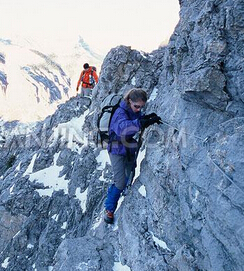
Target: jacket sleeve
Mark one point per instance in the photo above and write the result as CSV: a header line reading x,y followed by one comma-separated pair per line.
x,y
79,81
123,126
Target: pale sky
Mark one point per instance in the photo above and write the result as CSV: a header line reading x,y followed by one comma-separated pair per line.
x,y
104,24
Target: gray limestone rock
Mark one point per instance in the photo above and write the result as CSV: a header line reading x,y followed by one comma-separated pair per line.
x,y
185,209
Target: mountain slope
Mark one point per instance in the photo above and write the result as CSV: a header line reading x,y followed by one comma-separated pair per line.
x,y
33,83
185,210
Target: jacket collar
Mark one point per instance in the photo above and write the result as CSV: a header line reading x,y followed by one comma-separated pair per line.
x,y
125,106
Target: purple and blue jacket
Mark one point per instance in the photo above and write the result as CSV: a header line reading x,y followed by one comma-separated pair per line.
x,y
123,126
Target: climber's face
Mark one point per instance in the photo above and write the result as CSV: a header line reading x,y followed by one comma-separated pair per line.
x,y
136,106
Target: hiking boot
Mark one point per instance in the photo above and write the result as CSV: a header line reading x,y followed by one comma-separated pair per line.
x,y
109,217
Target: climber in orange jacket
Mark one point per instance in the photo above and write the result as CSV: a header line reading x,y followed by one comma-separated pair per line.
x,y
89,79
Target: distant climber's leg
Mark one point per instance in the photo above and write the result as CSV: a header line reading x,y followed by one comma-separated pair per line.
x,y
87,92
83,91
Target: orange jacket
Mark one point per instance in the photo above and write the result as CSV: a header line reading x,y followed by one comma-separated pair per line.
x,y
84,78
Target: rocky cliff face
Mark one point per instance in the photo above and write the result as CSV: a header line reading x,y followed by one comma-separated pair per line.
x,y
185,210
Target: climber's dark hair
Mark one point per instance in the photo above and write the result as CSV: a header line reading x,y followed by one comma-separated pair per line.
x,y
86,66
135,94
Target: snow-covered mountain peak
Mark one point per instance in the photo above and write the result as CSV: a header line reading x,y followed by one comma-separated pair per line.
x,y
34,80
32,86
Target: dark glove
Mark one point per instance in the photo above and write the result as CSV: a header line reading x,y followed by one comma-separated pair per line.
x,y
146,122
150,116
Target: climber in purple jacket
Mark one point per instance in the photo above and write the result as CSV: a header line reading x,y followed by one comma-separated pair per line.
x,y
125,123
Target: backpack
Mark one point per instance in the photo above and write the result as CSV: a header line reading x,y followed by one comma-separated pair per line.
x,y
91,77
108,106
88,77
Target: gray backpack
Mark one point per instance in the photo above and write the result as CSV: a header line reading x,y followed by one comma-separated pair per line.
x,y
108,107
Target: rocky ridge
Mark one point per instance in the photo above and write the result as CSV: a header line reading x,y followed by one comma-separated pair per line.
x,y
185,210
